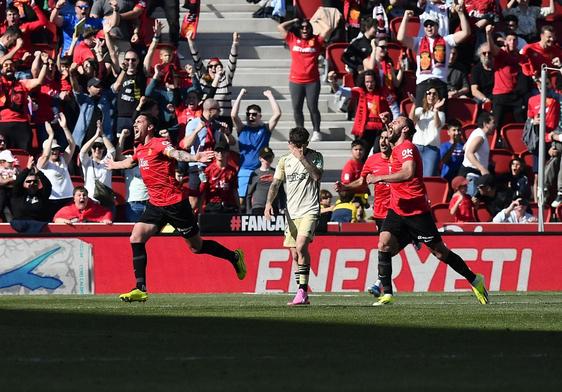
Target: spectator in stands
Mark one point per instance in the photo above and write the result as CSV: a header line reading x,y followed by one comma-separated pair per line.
x,y
429,119
172,11
360,47
14,105
345,210
457,78
507,69
188,109
30,199
493,194
516,212
94,155
527,16
477,152
253,137
89,104
460,206
128,17
546,51
388,78
517,179
201,134
129,87
223,94
73,24
511,26
304,78
10,43
352,168
452,151
434,9
54,164
482,77
433,51
81,210
326,208
8,175
259,186
220,191
372,110
136,191
3,142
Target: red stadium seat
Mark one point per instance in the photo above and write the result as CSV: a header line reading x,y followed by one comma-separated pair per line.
x,y
333,56
441,213
408,85
412,29
22,157
348,80
556,216
405,106
119,186
437,189
467,130
464,110
482,214
395,50
307,8
443,135
547,212
77,181
501,159
512,134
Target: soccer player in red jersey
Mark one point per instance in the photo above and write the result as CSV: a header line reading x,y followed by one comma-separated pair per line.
x,y
157,158
409,212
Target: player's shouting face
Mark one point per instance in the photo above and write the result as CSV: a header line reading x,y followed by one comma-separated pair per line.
x,y
141,127
395,129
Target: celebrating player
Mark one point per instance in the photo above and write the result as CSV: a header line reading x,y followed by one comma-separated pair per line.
x,y
301,170
156,159
409,212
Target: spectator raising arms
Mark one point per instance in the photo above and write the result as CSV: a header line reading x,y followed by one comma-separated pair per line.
x,y
253,137
82,210
304,78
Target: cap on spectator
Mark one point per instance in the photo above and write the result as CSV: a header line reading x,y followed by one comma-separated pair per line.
x,y
53,145
6,155
94,82
266,153
100,34
431,18
486,180
89,31
194,90
214,59
99,140
457,182
222,145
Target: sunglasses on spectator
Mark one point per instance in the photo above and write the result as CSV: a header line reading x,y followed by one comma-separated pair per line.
x,y
83,7
431,93
132,59
98,146
305,27
252,114
212,65
429,24
31,182
383,47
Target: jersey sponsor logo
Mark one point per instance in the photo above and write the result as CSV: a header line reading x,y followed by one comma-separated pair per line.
x,y
143,163
303,50
296,177
407,153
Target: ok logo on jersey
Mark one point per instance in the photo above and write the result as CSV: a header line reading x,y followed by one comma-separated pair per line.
x,y
407,153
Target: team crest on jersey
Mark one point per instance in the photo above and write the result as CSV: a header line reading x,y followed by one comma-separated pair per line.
x,y
311,42
407,153
149,151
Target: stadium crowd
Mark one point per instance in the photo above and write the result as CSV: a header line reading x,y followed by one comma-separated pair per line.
x,y
76,74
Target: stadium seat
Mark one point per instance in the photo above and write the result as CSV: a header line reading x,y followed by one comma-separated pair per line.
x,y
482,214
333,57
77,181
119,186
348,80
443,135
408,85
547,212
556,216
437,189
22,157
441,214
464,110
395,50
467,130
307,8
512,135
406,106
412,29
501,159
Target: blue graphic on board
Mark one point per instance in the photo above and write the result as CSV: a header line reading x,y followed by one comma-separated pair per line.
x,y
24,276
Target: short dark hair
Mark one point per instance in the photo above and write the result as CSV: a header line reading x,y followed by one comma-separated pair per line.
x,y
369,72
411,126
66,60
80,188
511,18
453,123
345,196
255,107
358,142
148,104
548,28
14,31
150,118
13,9
299,136
484,118
368,23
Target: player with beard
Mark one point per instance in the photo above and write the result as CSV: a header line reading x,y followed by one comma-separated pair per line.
x,y
157,159
409,212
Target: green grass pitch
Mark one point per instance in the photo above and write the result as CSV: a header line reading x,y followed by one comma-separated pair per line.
x,y
438,342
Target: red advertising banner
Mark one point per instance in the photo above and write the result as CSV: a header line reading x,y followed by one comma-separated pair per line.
x,y
339,264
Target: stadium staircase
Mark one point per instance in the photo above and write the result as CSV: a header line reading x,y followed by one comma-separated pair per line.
x,y
263,63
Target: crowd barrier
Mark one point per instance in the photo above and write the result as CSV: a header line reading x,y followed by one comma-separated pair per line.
x,y
94,258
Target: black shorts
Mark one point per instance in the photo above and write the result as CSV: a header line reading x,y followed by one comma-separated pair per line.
x,y
179,215
420,228
404,238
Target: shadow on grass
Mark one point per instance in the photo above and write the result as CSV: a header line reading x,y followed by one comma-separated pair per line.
x,y
76,351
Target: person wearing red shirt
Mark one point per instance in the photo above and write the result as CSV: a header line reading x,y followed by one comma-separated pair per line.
x,y
460,206
14,109
507,69
409,212
156,159
546,51
304,78
220,192
352,169
83,210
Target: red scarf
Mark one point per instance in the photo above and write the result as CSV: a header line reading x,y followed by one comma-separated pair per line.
x,y
429,58
209,138
365,117
387,79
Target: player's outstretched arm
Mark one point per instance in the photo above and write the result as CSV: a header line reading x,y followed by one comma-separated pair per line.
x,y
124,164
184,156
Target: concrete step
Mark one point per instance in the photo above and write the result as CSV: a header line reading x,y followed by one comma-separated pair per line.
x,y
267,52
284,104
241,25
219,14
272,78
279,90
229,7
